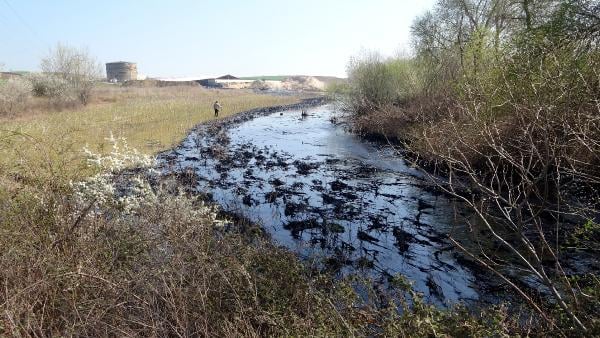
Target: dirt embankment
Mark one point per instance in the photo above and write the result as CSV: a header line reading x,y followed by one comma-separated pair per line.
x,y
296,83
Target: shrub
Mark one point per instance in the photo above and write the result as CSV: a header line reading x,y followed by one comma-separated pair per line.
x,y
13,95
259,85
375,82
51,86
516,130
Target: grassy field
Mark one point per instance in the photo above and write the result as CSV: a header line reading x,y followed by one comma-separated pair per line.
x,y
150,119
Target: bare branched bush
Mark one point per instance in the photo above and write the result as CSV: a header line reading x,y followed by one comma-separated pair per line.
x,y
522,152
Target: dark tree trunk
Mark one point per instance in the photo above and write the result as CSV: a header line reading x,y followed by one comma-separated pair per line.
x,y
527,12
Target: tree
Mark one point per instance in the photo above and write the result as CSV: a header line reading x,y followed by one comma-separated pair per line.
x,y
521,147
462,29
76,66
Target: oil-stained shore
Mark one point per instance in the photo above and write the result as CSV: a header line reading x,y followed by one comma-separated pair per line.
x,y
330,196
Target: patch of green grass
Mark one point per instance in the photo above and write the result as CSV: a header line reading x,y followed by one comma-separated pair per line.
x,y
150,119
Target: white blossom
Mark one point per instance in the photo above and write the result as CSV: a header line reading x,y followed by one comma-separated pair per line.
x,y
112,186
122,184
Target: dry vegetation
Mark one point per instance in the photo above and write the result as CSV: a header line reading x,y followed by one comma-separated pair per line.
x,y
95,244
46,119
168,269
92,248
502,100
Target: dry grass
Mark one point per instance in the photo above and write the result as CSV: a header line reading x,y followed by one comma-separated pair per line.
x,y
167,271
76,262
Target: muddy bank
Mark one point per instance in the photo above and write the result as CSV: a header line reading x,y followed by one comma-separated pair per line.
x,y
346,204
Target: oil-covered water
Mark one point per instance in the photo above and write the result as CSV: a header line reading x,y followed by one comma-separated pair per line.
x,y
328,195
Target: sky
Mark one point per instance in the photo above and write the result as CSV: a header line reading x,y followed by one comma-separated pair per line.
x,y
180,38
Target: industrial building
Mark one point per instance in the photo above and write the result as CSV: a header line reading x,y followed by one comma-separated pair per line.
x,y
121,71
226,81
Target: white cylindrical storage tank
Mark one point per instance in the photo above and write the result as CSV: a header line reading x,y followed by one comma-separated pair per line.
x,y
121,71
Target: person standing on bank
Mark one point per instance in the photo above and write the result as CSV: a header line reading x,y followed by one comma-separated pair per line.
x,y
217,107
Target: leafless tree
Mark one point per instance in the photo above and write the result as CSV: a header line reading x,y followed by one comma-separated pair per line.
x,y
76,66
455,28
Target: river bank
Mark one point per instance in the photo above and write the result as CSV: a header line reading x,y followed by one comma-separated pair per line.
x,y
141,254
339,202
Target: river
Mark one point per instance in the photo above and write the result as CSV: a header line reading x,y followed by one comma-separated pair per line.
x,y
330,196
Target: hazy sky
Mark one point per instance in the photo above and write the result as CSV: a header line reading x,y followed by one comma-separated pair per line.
x,y
192,38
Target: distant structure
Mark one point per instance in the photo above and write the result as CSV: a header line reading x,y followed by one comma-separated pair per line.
x,y
227,77
121,71
226,81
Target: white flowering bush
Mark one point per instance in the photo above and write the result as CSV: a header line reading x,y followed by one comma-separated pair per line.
x,y
122,184
113,186
13,94
52,86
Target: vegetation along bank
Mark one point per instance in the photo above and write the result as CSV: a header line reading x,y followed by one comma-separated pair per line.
x,y
501,100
